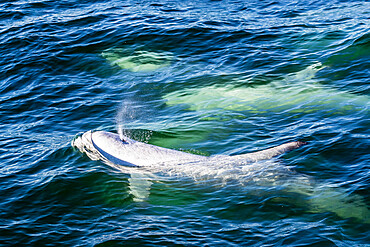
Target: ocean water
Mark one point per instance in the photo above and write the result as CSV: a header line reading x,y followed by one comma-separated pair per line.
x,y
205,77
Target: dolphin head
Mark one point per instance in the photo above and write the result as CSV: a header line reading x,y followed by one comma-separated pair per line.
x,y
97,145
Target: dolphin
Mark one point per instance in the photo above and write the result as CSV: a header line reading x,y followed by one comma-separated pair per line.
x,y
298,92
110,147
137,61
142,160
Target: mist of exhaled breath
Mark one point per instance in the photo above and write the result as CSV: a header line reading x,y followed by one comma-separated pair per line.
x,y
125,116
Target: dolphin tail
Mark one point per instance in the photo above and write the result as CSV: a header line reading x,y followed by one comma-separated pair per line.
x,y
271,152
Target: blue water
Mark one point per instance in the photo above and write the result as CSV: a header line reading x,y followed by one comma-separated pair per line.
x,y
72,66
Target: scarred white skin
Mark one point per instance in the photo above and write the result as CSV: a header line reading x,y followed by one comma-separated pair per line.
x,y
129,152
108,147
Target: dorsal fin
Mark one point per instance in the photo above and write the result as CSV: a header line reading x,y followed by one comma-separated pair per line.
x,y
271,152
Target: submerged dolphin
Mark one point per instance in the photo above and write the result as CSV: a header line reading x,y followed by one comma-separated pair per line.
x,y
139,159
138,61
296,93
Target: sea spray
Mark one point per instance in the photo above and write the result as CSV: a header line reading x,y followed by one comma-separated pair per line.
x,y
130,122
125,116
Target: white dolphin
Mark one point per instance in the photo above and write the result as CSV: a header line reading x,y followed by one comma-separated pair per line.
x,y
127,152
140,160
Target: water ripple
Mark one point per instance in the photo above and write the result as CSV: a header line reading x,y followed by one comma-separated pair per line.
x,y
56,82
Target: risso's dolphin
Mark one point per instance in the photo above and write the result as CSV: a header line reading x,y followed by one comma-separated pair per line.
x,y
295,93
127,152
143,161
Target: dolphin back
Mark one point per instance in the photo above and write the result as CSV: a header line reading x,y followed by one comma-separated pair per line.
x,y
109,147
270,152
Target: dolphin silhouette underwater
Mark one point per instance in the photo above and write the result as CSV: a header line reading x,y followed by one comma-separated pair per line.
x,y
298,92
137,61
259,168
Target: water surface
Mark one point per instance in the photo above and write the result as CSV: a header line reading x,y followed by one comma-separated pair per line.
x,y
207,77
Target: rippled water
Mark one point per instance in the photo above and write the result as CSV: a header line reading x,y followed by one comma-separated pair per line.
x,y
206,77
